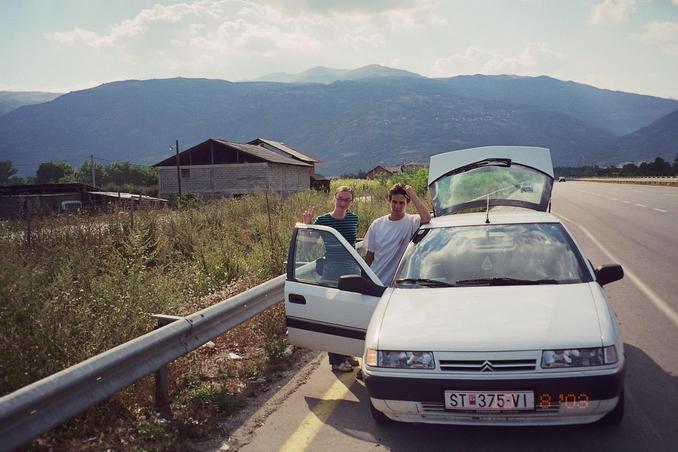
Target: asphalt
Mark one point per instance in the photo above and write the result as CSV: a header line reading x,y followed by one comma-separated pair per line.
x,y
636,226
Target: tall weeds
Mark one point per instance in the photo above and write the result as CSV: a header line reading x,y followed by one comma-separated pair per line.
x,y
81,286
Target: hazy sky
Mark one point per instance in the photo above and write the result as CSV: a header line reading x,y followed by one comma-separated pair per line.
x,y
64,45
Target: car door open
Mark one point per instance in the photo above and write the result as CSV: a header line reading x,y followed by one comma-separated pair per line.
x,y
319,314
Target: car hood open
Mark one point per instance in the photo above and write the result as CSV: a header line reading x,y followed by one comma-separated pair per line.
x,y
491,176
490,318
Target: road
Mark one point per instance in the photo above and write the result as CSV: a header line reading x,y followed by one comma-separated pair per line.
x,y
636,226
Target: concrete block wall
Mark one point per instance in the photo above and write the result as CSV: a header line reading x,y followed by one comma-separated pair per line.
x,y
235,179
289,178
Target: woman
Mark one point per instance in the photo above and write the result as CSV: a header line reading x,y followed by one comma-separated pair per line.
x,y
346,223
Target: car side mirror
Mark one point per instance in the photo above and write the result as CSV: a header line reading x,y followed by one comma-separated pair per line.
x,y
360,284
609,273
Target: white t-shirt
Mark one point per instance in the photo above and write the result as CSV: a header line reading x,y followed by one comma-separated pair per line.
x,y
388,240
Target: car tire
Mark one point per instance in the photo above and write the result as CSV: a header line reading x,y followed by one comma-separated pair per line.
x,y
615,416
378,416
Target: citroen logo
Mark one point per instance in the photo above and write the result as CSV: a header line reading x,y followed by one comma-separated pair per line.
x,y
487,367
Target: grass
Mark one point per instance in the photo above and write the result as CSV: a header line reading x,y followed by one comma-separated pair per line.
x,y
78,286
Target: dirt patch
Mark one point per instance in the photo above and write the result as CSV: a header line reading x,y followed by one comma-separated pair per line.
x,y
239,429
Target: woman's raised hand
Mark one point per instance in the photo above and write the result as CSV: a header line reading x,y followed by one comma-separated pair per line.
x,y
308,215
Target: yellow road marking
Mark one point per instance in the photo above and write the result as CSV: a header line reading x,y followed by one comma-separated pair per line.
x,y
310,426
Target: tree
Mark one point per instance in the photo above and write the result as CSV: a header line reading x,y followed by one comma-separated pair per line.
x,y
661,167
54,172
629,170
85,173
7,172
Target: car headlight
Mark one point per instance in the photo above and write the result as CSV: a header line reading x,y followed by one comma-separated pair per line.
x,y
400,359
579,357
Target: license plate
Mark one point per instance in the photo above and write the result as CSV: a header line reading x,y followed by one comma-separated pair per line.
x,y
489,400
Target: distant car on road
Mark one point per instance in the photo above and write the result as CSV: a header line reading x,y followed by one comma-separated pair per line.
x,y
561,179
493,318
526,187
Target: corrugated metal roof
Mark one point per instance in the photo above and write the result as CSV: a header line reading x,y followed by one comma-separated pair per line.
x,y
263,153
285,148
122,195
393,169
251,149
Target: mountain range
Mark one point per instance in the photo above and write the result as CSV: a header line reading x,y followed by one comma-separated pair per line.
x,y
349,121
659,139
328,75
10,100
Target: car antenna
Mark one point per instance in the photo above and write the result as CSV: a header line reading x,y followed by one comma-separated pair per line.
x,y
487,210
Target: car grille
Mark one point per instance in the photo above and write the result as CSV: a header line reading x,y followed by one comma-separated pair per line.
x,y
487,365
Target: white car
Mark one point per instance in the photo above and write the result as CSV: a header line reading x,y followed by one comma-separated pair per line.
x,y
494,317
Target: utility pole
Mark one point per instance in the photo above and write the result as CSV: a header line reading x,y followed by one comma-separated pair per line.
x,y
178,168
131,212
94,181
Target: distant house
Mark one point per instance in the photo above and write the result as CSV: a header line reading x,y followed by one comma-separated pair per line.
x,y
412,166
382,171
388,171
45,199
318,181
218,168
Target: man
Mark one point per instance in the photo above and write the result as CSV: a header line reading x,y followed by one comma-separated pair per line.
x,y
388,236
346,223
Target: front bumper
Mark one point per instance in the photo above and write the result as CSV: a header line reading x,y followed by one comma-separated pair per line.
x,y
559,399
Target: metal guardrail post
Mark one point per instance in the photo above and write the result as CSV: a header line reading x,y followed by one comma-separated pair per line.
x,y
162,399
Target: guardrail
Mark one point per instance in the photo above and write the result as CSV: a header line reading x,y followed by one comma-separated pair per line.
x,y
36,408
651,180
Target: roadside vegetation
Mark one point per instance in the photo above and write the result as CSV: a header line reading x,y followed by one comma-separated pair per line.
x,y
114,176
657,167
76,286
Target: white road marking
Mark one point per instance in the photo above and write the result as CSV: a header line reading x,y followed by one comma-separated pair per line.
x,y
653,297
641,205
614,199
626,202
659,210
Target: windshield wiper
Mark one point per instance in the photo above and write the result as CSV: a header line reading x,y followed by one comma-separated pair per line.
x,y
504,282
425,282
486,162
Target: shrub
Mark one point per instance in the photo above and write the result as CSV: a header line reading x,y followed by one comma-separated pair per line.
x,y
216,397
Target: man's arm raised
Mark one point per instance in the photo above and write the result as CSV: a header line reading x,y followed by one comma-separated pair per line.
x,y
421,208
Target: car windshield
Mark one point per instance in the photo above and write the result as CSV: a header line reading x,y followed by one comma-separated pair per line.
x,y
495,183
492,255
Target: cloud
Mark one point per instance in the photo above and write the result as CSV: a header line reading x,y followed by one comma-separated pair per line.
x,y
612,12
661,34
213,37
79,35
417,16
128,28
223,26
333,7
534,59
373,40
256,30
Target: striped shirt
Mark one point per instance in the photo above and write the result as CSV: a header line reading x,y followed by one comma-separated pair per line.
x,y
348,227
